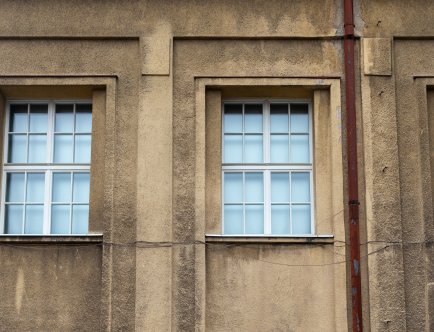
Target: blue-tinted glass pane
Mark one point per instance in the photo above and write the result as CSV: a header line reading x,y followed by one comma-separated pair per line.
x,y
233,147
299,118
300,187
233,219
280,219
18,118
279,149
60,219
81,188
254,219
300,148
280,187
64,121
17,148
254,187
63,148
35,187
233,118
279,118
14,219
34,219
82,149
80,216
38,118
301,219
61,187
37,148
83,118
253,118
233,191
253,149
15,187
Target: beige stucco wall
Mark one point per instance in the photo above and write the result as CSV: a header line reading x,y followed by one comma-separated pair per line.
x,y
153,69
50,288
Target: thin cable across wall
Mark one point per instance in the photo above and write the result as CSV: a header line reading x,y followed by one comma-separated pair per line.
x,y
221,246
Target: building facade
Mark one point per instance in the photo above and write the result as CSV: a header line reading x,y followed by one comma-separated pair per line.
x,y
182,165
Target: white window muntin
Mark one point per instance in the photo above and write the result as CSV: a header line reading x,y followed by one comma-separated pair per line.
x,y
267,167
48,168
266,132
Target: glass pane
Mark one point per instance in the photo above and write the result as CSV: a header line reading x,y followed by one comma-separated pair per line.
x,y
280,219
279,149
64,121
82,149
35,187
17,149
37,147
60,219
80,216
233,219
280,187
63,148
299,118
254,187
279,118
18,118
83,118
14,219
233,147
233,118
300,148
253,118
61,187
34,219
301,219
38,118
253,149
81,188
300,187
254,219
233,191
15,187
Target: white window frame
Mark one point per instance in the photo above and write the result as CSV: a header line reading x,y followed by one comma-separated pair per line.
x,y
48,168
267,167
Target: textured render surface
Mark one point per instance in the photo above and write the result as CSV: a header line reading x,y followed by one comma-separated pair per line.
x,y
118,60
153,185
416,191
268,288
396,18
377,56
191,18
231,58
154,204
50,288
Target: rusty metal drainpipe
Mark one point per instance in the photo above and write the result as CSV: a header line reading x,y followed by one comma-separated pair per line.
x,y
353,195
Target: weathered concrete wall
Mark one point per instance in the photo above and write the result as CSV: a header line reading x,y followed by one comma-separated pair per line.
x,y
150,68
50,288
270,288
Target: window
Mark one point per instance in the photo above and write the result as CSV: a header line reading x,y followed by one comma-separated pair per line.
x,y
46,168
267,168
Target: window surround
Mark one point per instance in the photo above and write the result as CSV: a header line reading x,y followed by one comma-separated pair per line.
x,y
48,167
325,95
267,167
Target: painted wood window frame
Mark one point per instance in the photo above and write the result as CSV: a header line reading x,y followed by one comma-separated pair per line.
x,y
267,167
48,168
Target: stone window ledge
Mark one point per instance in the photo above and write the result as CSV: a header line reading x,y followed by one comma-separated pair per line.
x,y
295,239
51,239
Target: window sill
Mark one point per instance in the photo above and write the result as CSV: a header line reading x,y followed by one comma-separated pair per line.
x,y
51,239
295,239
